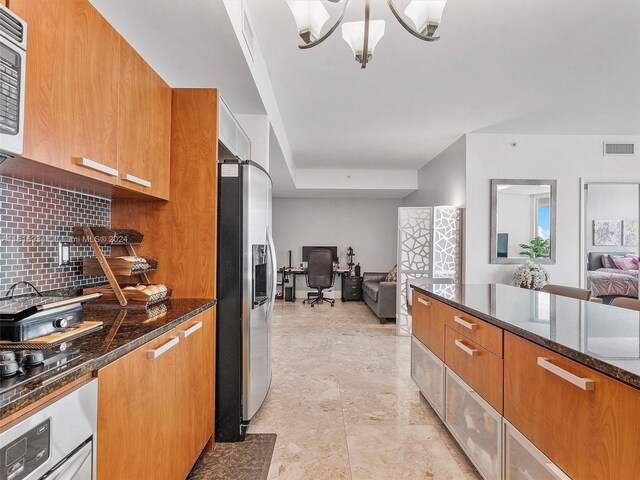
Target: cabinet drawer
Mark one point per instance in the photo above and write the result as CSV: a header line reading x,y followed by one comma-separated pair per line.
x,y
476,426
523,461
428,322
481,332
585,422
427,371
477,366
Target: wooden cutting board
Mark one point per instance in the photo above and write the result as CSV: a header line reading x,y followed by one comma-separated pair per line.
x,y
53,339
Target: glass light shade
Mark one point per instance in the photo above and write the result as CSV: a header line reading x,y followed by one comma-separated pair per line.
x,y
425,12
310,16
353,34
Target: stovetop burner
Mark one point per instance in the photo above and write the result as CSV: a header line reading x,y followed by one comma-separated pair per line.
x,y
22,366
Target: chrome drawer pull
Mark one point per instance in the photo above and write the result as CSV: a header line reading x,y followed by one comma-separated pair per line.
x,y
97,166
464,323
133,179
424,302
151,354
192,329
465,349
583,383
555,470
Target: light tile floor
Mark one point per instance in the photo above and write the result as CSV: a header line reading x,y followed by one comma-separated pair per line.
x,y
343,404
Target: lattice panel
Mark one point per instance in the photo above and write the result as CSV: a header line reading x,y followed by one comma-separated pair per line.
x,y
414,240
429,247
446,243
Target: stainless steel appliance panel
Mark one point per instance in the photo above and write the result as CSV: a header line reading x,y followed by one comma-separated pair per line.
x,y
68,425
257,315
13,61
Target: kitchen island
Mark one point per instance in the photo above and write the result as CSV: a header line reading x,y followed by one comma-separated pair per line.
x,y
530,384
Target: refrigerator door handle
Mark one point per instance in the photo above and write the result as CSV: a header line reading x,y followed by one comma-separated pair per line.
x,y
274,272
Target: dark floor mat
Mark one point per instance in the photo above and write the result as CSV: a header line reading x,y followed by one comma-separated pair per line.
x,y
248,460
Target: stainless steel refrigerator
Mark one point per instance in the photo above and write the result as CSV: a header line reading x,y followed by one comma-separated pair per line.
x,y
246,292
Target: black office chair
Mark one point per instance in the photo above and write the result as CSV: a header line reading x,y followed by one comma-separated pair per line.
x,y
320,275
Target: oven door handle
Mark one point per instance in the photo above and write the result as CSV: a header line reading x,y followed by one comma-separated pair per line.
x,y
73,463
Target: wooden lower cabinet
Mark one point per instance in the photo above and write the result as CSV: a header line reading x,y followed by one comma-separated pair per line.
x,y
195,388
428,319
156,405
477,366
590,433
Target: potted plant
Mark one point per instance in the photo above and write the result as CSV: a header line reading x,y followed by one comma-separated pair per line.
x,y
531,275
538,247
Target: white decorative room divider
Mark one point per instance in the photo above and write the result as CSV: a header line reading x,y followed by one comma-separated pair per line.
x,y
429,246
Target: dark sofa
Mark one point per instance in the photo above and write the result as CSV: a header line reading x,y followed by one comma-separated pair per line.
x,y
379,295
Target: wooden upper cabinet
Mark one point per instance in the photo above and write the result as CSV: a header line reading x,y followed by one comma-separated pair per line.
x,y
144,126
71,101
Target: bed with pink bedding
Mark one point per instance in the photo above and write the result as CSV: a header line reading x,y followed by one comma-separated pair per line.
x,y
604,280
612,281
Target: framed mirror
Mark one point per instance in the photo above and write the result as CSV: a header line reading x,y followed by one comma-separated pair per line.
x,y
523,221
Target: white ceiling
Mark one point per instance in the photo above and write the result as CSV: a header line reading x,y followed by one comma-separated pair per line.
x,y
190,43
501,66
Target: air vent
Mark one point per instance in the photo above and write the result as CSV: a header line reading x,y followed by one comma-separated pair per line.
x,y
619,148
11,27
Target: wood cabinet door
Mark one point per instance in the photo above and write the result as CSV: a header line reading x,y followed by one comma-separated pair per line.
x,y
477,366
137,413
195,388
589,433
71,99
427,322
144,126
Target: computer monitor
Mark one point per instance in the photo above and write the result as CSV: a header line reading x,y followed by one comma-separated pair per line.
x,y
307,250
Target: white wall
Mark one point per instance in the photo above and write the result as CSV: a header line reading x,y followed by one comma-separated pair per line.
x,y
566,158
610,202
368,225
442,180
257,129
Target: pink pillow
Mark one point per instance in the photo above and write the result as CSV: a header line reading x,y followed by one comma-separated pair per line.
x,y
626,263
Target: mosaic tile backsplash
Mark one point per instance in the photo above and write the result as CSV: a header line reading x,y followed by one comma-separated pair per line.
x,y
33,219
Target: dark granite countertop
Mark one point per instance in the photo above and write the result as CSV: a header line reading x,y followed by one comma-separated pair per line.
x,y
123,330
602,337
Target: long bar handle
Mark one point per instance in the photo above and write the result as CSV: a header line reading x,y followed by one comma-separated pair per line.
x,y
464,323
583,383
151,354
465,349
424,302
137,180
192,329
97,166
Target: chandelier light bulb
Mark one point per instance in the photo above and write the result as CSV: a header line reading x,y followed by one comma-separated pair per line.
x,y
353,34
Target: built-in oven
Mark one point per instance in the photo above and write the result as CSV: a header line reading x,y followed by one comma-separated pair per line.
x,y
13,60
55,442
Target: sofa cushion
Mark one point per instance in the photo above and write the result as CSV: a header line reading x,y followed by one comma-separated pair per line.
x,y
371,289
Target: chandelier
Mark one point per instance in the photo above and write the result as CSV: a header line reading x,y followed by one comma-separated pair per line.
x,y
363,36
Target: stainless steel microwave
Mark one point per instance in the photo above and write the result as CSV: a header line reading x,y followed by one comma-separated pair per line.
x,y
13,60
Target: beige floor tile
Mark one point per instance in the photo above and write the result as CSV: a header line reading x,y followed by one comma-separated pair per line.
x,y
343,403
399,452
